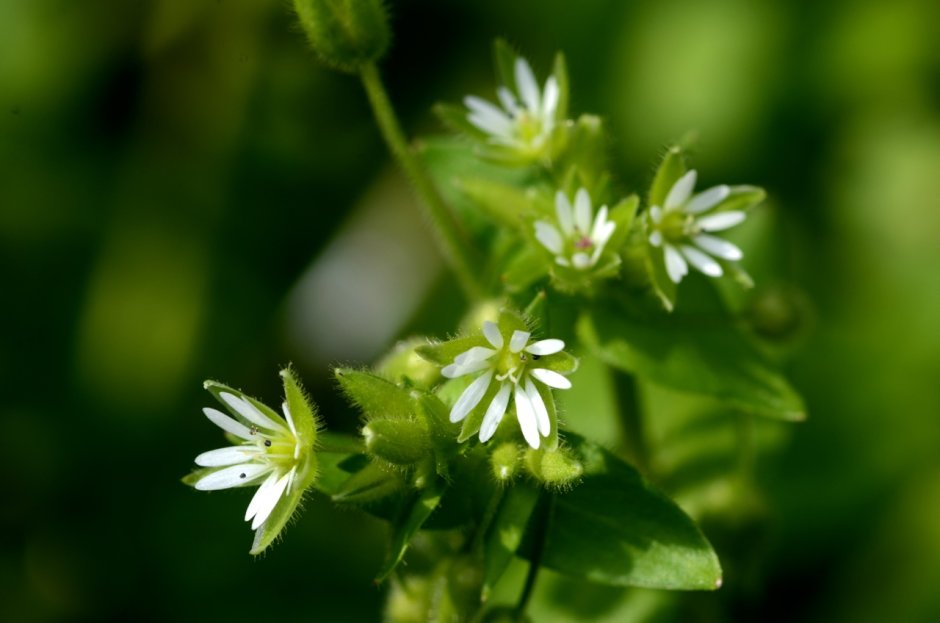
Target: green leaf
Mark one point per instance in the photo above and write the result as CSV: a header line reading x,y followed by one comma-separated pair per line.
x,y
526,267
505,533
669,171
369,484
614,528
377,397
410,520
504,203
712,358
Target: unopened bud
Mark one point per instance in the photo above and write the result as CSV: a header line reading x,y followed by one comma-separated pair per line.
x,y
345,34
504,461
400,442
555,468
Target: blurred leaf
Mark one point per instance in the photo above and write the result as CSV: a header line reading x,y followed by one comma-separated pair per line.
x,y
369,484
669,171
505,533
614,528
409,522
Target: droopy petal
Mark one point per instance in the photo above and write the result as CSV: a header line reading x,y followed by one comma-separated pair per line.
x,y
526,416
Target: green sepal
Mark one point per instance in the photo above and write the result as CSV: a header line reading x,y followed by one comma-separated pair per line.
x,y
623,214
505,533
583,150
614,528
443,353
669,171
456,118
268,532
345,34
398,441
561,362
560,71
367,485
505,58
410,519
217,389
741,198
303,411
376,396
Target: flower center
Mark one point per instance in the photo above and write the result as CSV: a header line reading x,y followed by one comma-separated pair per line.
x,y
528,127
676,226
583,242
511,366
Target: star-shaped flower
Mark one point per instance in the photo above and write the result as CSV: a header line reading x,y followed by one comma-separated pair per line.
x,y
683,228
525,118
515,366
579,237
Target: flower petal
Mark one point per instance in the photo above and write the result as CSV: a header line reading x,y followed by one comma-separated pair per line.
x,y
234,476
656,214
549,236
708,199
545,347
704,263
600,223
581,261
487,117
675,263
228,423
550,98
232,455
269,501
508,100
250,412
470,397
551,378
527,86
656,238
518,340
492,334
564,213
538,406
456,370
495,412
473,355
721,221
259,495
680,191
718,247
526,416
582,211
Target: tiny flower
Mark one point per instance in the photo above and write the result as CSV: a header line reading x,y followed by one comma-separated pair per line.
x,y
683,228
525,119
515,366
576,241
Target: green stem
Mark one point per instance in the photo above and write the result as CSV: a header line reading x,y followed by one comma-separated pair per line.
x,y
450,236
535,561
628,404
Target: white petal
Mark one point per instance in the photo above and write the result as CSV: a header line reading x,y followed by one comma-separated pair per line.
x,y
456,370
562,261
582,211
508,100
680,191
470,397
545,347
606,232
526,416
234,476
269,501
289,418
498,128
549,236
708,199
232,455
718,247
518,340
563,210
492,334
525,83
250,412
704,263
581,260
495,412
675,264
550,98
656,214
600,223
487,117
656,238
551,378
538,405
259,495
473,355
720,221
228,423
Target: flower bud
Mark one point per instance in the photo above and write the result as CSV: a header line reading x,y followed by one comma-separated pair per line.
x,y
345,34
504,461
404,364
555,468
400,442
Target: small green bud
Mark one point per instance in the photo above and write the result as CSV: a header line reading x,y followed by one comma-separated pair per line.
x,y
504,461
555,468
404,364
400,442
345,34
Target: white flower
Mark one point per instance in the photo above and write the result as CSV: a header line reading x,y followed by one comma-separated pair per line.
x,y
270,454
575,241
526,118
683,227
508,362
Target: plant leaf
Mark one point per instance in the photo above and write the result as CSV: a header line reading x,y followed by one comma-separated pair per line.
x,y
410,520
377,397
505,533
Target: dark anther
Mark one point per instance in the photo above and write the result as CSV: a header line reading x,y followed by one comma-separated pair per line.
x,y
242,475
534,357
267,442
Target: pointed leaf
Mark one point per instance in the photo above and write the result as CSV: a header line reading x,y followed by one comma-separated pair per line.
x,y
377,397
505,533
408,523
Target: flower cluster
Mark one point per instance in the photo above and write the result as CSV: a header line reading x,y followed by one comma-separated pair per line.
x,y
578,238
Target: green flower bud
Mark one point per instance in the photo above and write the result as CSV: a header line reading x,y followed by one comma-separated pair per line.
x,y
555,468
403,364
345,34
504,461
400,442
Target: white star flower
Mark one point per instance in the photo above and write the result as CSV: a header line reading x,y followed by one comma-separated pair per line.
x,y
576,240
514,365
525,119
682,227
270,454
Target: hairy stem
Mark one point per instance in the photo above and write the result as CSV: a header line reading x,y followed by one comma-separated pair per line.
x,y
451,238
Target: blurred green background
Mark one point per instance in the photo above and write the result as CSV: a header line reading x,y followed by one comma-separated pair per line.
x,y
185,194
